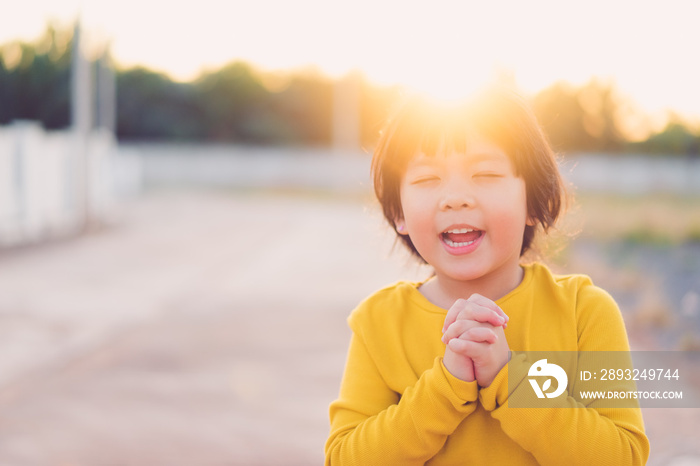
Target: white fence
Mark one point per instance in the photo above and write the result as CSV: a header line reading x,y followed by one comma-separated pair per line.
x,y
255,167
236,166
633,174
54,183
45,190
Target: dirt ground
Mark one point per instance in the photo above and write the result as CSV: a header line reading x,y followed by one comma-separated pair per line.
x,y
202,327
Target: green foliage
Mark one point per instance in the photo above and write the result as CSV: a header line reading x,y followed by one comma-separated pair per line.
x,y
239,107
693,235
675,138
231,104
306,108
647,237
233,99
240,104
579,119
35,81
151,106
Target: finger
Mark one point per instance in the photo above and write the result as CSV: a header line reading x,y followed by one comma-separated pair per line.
x,y
466,347
457,328
479,335
452,313
478,308
463,329
479,313
475,350
486,302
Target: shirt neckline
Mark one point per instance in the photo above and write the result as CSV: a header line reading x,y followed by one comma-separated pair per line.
x,y
418,298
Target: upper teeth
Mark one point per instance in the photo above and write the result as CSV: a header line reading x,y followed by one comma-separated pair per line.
x,y
460,230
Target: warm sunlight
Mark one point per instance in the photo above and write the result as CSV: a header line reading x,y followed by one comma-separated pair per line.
x,y
448,81
445,49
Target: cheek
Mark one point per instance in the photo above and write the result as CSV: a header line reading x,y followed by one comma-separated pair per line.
x,y
418,218
413,205
507,209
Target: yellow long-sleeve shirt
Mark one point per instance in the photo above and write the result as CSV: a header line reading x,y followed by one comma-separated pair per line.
x,y
399,405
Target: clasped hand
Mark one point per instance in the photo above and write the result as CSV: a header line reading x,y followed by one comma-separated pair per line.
x,y
476,346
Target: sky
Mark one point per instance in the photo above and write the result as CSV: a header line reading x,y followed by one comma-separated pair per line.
x,y
648,50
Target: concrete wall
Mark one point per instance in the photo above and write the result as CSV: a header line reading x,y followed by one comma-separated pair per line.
x,y
318,168
55,183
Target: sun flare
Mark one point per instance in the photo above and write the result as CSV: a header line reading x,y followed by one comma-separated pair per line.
x,y
445,50
450,84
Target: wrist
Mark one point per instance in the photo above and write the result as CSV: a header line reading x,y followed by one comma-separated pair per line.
x,y
458,366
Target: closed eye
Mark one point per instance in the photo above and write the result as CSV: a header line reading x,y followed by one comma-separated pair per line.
x,y
425,179
488,175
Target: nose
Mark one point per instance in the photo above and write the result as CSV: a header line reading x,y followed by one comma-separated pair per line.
x,y
457,195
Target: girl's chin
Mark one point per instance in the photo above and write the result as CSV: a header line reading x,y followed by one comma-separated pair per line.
x,y
459,275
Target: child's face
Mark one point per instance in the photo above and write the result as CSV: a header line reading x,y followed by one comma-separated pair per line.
x,y
465,212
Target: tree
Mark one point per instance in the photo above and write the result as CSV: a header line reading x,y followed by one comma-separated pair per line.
x,y
579,119
234,100
151,106
675,138
35,80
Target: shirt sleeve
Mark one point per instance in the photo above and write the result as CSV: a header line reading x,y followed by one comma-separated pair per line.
x,y
372,424
584,435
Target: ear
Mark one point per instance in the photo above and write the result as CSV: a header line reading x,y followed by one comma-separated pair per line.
x,y
530,221
400,226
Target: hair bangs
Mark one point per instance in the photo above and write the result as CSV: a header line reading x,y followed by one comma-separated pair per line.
x,y
498,115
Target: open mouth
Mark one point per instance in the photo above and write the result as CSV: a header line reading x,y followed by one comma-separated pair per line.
x,y
460,237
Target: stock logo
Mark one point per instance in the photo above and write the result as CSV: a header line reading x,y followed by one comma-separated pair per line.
x,y
543,369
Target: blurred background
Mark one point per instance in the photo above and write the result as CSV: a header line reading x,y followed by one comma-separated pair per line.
x,y
186,214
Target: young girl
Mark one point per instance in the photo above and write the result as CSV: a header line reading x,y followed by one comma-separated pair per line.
x,y
426,379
